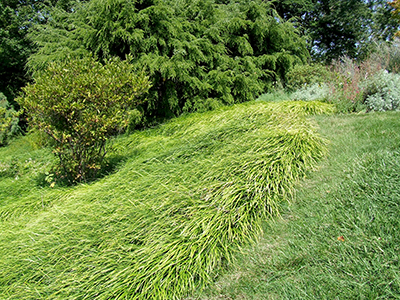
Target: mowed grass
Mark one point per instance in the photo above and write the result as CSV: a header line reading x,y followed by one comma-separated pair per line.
x,y
182,200
340,239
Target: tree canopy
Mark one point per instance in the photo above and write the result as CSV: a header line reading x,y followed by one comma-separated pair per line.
x,y
15,49
396,13
334,28
198,53
16,19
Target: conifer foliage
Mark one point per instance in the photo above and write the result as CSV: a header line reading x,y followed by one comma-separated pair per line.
x,y
198,54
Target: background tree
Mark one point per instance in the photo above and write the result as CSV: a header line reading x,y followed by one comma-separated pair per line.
x,y
335,28
382,25
16,19
396,13
15,48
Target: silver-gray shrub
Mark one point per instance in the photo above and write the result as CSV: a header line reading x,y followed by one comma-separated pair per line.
x,y
316,91
382,91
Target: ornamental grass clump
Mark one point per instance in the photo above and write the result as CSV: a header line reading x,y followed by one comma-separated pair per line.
x,y
306,108
189,194
80,104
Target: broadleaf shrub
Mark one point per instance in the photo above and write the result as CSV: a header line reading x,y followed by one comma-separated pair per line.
x,y
80,104
8,121
304,75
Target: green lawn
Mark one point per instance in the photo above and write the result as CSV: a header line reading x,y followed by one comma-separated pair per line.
x,y
340,237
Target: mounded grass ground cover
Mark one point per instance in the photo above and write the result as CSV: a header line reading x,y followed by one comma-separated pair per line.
x,y
183,198
340,239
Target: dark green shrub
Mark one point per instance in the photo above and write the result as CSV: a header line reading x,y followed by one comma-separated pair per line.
x,y
8,121
80,104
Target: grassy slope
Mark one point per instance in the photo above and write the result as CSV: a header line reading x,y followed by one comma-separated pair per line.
x,y
354,195
181,200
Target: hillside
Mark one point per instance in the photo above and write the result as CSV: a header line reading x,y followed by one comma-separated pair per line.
x,y
177,203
